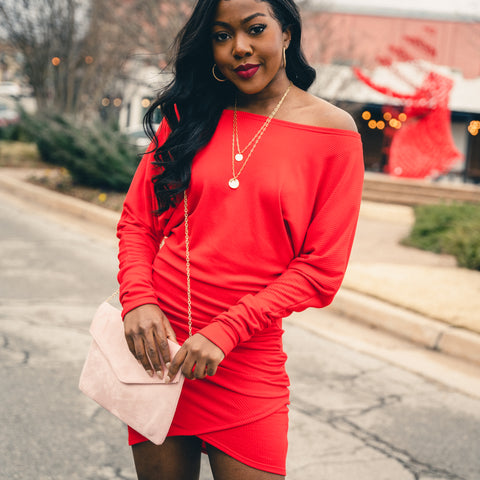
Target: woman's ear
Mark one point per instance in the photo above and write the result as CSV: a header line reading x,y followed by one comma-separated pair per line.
x,y
287,37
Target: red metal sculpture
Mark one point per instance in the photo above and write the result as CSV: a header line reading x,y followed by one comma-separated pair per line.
x,y
423,146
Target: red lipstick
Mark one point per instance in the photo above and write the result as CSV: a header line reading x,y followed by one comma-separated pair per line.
x,y
247,70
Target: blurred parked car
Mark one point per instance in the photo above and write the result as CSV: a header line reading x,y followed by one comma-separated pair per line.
x,y
8,116
137,136
10,89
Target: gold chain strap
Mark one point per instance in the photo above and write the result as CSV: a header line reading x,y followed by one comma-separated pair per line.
x,y
113,295
187,265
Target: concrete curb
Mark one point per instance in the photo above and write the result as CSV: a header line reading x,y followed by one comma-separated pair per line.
x,y
368,310
408,325
56,201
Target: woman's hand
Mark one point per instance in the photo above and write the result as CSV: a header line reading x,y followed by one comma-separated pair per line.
x,y
198,357
147,330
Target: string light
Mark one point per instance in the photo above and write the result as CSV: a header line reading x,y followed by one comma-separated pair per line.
x,y
394,123
366,115
474,127
388,120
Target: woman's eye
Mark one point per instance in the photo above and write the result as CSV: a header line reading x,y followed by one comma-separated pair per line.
x,y
257,29
220,36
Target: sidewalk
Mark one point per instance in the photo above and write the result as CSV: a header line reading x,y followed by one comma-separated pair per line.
x,y
420,296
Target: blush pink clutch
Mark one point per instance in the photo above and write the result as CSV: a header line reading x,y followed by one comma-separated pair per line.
x,y
113,378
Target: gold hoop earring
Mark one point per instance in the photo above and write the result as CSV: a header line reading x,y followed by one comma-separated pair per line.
x,y
221,80
284,58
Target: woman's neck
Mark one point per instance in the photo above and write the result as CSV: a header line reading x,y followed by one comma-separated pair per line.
x,y
264,102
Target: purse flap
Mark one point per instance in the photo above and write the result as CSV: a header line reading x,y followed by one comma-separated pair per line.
x,y
108,332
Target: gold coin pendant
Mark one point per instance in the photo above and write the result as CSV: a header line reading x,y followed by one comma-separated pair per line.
x,y
233,183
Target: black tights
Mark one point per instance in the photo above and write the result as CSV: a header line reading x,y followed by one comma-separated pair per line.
x,y
178,458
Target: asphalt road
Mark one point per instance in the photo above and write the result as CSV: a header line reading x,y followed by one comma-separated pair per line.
x,y
353,416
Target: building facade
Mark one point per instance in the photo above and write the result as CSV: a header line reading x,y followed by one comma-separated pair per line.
x,y
397,50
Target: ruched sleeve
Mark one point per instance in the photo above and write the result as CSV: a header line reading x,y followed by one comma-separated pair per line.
x,y
314,276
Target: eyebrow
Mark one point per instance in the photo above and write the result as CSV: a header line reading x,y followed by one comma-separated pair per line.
x,y
243,22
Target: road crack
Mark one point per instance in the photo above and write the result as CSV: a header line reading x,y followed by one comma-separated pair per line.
x,y
342,421
18,356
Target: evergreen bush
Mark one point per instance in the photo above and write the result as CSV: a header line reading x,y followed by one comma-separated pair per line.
x,y
15,132
95,155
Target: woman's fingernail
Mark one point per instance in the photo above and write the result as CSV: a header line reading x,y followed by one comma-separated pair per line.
x,y
150,372
160,374
167,379
168,365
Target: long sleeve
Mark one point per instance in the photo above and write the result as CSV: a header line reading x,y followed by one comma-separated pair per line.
x,y
314,276
139,233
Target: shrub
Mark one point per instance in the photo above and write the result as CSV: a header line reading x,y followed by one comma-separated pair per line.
x,y
463,241
95,155
15,132
453,229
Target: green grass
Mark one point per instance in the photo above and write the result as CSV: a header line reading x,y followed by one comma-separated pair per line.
x,y
452,229
19,154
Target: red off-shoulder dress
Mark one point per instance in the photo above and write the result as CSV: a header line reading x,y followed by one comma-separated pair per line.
x,y
278,244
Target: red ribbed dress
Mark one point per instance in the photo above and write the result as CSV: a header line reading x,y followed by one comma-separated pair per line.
x,y
279,243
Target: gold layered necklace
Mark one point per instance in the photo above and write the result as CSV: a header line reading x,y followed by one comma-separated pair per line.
x,y
238,157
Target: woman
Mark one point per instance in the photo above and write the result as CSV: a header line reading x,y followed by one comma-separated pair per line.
x,y
271,179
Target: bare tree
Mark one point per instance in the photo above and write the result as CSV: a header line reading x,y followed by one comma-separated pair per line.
x,y
153,25
29,26
74,52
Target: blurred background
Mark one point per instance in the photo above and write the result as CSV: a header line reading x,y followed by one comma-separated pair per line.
x,y
412,65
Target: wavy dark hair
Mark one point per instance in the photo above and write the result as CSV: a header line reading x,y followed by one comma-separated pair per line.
x,y
193,101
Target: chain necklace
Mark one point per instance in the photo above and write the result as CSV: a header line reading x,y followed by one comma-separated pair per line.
x,y
233,183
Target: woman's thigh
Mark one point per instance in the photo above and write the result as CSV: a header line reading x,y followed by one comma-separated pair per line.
x,y
178,458
225,467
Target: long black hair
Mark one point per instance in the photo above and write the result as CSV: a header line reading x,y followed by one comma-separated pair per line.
x,y
193,101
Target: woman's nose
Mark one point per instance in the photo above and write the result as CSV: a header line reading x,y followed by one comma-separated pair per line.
x,y
242,47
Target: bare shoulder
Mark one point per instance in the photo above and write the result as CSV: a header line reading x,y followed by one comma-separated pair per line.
x,y
314,111
331,116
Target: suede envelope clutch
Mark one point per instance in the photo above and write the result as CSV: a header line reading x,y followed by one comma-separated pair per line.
x,y
113,378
